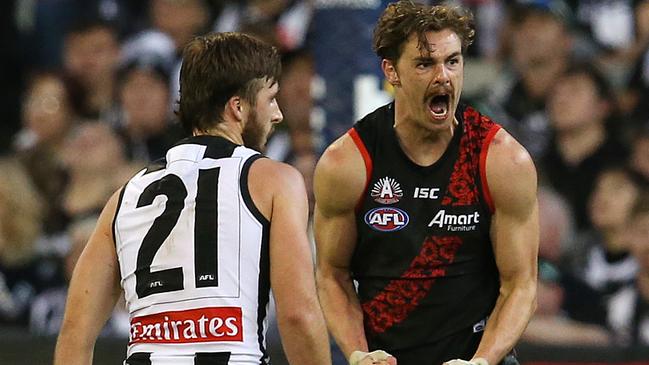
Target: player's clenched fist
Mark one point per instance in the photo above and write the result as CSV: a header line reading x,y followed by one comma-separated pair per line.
x,y
378,357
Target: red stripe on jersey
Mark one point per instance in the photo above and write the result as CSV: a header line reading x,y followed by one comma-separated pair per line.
x,y
401,296
188,326
483,165
366,158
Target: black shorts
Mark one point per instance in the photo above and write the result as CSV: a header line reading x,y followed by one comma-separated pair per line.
x,y
461,345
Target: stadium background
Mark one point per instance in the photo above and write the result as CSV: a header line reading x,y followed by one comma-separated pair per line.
x,y
568,78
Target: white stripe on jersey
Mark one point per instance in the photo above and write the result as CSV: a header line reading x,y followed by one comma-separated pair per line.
x,y
155,205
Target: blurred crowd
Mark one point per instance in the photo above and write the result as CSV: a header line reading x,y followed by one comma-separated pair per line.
x,y
89,89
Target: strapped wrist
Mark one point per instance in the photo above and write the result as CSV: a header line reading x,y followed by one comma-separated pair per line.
x,y
480,361
356,357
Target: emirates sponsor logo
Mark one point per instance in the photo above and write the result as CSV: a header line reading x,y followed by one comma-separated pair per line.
x,y
195,325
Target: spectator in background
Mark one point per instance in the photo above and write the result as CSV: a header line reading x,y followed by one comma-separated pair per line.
x,y
172,24
22,273
606,263
519,99
280,22
90,57
558,293
180,19
639,159
96,164
49,113
618,30
349,77
628,315
47,309
146,126
294,141
635,100
579,107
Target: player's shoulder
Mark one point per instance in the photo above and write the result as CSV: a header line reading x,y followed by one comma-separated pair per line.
x,y
340,175
510,171
341,160
275,175
507,154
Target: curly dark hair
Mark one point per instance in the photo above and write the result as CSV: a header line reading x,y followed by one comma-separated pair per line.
x,y
403,18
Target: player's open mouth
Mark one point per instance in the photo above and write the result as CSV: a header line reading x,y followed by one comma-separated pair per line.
x,y
439,106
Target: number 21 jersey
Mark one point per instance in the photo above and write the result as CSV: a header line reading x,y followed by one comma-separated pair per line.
x,y
193,255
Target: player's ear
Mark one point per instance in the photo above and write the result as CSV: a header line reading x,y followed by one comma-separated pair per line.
x,y
390,72
235,107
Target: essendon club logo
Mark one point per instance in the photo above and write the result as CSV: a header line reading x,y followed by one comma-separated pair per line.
x,y
196,325
386,219
386,191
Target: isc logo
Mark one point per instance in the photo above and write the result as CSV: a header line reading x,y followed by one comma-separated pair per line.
x,y
386,219
426,193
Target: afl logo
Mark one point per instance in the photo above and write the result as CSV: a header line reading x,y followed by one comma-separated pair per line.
x,y
386,191
386,219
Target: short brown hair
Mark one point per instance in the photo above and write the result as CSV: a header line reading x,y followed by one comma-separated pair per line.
x,y
217,67
402,18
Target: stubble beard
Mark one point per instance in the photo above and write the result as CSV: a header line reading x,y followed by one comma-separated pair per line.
x,y
253,133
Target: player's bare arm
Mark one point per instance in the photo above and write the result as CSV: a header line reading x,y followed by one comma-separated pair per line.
x,y
512,181
338,185
94,290
278,190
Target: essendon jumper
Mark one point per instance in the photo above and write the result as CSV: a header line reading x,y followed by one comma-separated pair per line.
x,y
424,255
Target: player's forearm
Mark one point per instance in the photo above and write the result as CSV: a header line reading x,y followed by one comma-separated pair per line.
x,y
72,350
342,311
507,321
304,336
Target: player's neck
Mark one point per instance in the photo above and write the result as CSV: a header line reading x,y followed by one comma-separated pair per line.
x,y
423,146
224,130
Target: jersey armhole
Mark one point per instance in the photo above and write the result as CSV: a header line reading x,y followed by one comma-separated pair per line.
x,y
245,192
367,159
483,166
119,205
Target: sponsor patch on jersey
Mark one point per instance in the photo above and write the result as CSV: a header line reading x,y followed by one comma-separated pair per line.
x,y
386,219
456,222
188,326
386,191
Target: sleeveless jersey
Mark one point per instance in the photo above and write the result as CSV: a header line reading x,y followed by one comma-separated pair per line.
x,y
423,260
193,257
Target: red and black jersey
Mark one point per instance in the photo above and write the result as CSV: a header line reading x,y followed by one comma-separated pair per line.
x,y
423,260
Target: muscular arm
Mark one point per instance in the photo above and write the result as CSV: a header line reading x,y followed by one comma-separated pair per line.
x,y
299,316
511,177
338,184
94,290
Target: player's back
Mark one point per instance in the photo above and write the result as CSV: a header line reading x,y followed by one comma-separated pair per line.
x,y
193,256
